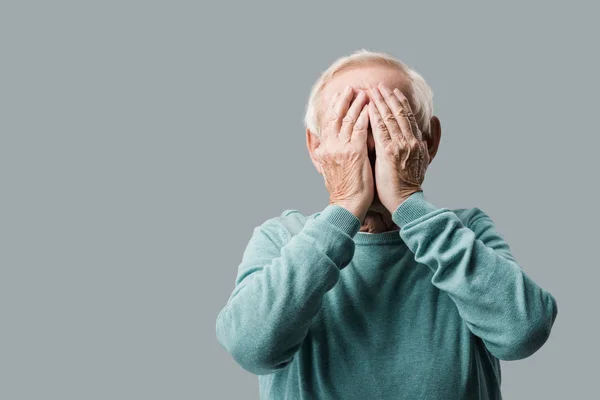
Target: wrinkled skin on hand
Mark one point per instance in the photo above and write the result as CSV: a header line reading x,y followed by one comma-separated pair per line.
x,y
343,154
402,155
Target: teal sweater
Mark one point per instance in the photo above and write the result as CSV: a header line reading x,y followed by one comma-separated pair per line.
x,y
322,311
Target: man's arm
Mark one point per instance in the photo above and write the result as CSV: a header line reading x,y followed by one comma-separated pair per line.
x,y
280,286
497,300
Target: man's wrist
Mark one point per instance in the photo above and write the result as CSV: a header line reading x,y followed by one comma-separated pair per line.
x,y
402,198
342,218
414,207
357,211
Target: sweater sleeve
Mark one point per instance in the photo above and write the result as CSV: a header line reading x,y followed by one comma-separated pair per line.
x,y
474,265
280,285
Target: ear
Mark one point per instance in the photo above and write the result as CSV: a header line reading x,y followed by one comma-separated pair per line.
x,y
433,139
312,142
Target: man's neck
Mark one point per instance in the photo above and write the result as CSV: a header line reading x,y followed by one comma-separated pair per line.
x,y
378,222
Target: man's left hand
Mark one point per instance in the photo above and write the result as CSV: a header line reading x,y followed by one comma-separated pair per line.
x,y
402,156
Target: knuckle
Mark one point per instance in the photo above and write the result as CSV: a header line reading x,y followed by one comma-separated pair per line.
x,y
401,113
381,125
348,120
360,127
326,157
349,150
389,117
391,150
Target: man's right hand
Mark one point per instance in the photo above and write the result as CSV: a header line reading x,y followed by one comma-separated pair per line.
x,y
343,154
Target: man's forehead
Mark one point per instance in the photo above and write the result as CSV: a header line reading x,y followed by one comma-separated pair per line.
x,y
363,78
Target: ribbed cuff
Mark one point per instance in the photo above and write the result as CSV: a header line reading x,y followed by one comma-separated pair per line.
x,y
341,218
415,206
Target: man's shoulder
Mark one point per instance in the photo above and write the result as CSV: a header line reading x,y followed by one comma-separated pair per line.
x,y
470,215
285,225
293,220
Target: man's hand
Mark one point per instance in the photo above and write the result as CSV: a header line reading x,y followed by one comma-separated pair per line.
x,y
401,154
343,154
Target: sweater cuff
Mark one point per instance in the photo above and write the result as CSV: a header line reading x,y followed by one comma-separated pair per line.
x,y
414,207
341,218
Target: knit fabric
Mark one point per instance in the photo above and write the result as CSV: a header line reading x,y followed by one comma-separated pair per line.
x,y
322,311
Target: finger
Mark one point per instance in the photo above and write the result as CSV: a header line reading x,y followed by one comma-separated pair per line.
x,y
410,116
399,111
349,121
386,116
329,116
341,107
361,127
380,131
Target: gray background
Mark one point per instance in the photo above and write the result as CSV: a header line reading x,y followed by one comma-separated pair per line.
x,y
141,143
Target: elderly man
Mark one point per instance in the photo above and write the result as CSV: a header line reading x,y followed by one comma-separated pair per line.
x,y
382,294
